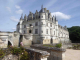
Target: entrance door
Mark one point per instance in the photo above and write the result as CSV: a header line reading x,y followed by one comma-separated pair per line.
x,y
51,41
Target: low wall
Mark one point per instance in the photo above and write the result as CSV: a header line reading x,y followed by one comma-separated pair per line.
x,y
55,53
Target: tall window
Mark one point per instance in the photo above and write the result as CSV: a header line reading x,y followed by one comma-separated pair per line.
x,y
24,31
41,23
30,24
30,31
46,31
51,25
46,24
41,16
36,31
36,24
24,26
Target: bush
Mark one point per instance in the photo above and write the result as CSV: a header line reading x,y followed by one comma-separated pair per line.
x,y
24,56
58,45
75,46
16,51
2,54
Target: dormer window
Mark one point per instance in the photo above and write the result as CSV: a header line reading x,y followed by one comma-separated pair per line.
x,y
30,24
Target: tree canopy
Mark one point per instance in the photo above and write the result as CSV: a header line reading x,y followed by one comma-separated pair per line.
x,y
74,34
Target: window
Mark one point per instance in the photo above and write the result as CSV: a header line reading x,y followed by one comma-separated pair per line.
x,y
24,26
46,31
36,31
29,31
41,16
36,24
51,25
41,31
50,31
41,23
24,31
46,24
30,24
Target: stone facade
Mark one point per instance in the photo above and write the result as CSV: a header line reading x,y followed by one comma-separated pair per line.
x,y
7,38
43,26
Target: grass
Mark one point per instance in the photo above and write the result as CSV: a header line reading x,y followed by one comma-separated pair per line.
x,y
48,45
57,45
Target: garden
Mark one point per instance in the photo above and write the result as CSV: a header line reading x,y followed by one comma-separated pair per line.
x,y
20,52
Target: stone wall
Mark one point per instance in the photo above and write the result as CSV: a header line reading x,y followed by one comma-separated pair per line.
x,y
55,53
26,42
10,57
3,41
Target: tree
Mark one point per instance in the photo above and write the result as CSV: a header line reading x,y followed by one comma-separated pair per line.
x,y
74,34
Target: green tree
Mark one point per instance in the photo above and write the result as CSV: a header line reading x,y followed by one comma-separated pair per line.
x,y
74,34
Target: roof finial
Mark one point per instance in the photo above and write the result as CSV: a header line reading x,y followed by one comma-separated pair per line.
x,y
55,16
42,6
21,16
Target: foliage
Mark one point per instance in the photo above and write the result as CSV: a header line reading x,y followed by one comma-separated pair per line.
x,y
16,51
75,46
24,56
58,45
2,53
48,45
74,34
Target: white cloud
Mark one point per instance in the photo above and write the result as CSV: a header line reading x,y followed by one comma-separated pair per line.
x,y
9,9
60,15
14,19
18,7
19,11
13,28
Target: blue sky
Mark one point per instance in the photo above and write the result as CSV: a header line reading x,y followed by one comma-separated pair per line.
x,y
66,11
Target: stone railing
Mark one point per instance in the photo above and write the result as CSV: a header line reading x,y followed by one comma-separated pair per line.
x,y
55,53
36,54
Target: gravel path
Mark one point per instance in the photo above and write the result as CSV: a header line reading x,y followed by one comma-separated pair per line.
x,y
71,54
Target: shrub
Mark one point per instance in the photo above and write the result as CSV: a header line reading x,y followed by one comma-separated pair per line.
x,y
1,53
58,45
24,56
16,50
48,45
76,46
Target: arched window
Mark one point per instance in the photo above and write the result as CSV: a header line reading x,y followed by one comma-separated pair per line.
x,y
30,31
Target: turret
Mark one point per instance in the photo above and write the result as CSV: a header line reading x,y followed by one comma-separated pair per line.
x,y
25,17
42,14
50,17
53,18
36,14
21,18
30,16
